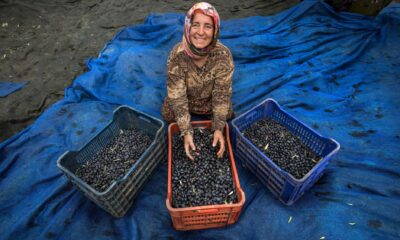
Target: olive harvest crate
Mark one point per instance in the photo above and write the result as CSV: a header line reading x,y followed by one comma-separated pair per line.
x,y
282,184
119,196
207,216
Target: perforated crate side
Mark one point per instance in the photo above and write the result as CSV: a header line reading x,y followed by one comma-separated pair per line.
x,y
207,219
269,175
98,142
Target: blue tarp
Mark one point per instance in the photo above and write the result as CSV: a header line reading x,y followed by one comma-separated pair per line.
x,y
6,88
337,72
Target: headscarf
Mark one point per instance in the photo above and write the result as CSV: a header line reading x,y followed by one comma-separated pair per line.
x,y
190,49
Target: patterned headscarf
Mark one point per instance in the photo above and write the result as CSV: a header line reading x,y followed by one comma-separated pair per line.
x,y
190,49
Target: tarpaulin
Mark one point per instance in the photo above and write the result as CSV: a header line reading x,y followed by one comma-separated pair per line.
x,y
6,88
336,72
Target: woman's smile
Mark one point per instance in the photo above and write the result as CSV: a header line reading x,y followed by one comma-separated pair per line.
x,y
202,30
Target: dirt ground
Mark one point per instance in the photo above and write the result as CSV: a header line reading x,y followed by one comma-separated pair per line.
x,y
47,42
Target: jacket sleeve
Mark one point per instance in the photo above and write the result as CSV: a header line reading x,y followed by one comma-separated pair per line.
x,y
176,92
222,91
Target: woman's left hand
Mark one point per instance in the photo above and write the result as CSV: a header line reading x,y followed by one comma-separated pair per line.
x,y
219,137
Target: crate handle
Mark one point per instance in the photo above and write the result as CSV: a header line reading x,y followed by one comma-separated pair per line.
x,y
211,210
144,119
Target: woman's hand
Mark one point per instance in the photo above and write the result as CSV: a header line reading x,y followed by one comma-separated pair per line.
x,y
219,137
189,145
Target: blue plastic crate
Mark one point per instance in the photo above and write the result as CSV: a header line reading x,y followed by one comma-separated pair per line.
x,y
119,196
281,183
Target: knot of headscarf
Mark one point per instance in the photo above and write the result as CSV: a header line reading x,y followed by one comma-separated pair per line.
x,y
190,49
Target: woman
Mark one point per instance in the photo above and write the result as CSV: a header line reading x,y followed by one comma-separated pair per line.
x,y
199,80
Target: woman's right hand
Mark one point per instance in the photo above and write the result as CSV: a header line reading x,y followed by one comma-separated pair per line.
x,y
189,145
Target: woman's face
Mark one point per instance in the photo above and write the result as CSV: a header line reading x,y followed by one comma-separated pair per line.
x,y
202,30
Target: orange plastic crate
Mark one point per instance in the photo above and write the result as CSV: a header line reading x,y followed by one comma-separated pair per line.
x,y
209,216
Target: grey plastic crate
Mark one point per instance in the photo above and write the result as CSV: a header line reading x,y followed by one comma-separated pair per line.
x,y
118,198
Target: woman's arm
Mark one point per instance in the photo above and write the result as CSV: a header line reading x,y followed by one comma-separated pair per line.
x,y
176,92
222,91
221,99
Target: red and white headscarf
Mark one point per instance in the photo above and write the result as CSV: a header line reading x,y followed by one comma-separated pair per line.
x,y
190,49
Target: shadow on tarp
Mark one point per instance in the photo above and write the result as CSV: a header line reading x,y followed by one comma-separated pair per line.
x,y
337,72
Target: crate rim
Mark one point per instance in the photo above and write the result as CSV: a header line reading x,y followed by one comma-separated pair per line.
x,y
205,207
145,154
304,178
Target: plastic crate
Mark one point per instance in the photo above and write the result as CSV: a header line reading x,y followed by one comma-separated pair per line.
x,y
203,217
282,184
118,198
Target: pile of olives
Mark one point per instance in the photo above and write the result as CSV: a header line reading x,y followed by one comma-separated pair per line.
x,y
281,146
115,159
206,180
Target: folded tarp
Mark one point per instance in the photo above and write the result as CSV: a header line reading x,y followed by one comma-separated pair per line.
x,y
6,88
336,72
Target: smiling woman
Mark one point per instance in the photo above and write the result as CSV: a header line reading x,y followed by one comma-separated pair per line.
x,y
200,70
